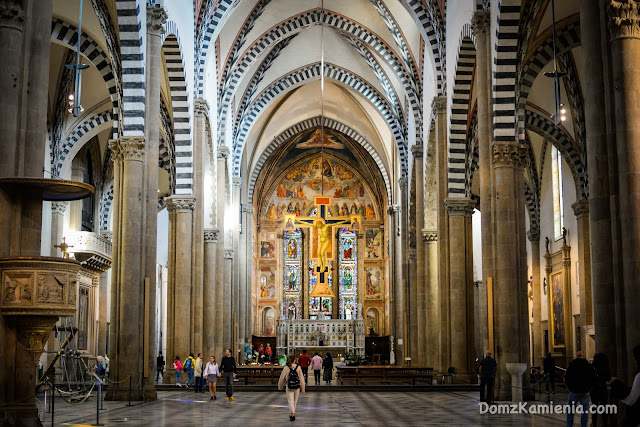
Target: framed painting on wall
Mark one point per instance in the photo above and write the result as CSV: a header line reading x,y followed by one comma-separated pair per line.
x,y
557,311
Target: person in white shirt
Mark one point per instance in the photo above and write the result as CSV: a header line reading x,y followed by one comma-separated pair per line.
x,y
633,413
211,373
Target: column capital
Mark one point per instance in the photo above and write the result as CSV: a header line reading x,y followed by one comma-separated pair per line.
x,y
11,15
156,18
439,104
510,155
481,23
181,203
59,207
248,208
200,107
429,236
211,235
460,206
393,209
403,182
236,181
417,151
534,236
223,152
228,254
581,208
127,148
624,19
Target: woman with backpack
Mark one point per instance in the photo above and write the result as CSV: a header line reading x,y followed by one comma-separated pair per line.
x,y
327,365
177,365
292,377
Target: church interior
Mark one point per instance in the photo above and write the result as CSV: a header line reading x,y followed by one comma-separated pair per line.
x,y
405,183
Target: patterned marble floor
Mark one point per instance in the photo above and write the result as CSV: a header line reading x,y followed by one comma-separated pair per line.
x,y
185,408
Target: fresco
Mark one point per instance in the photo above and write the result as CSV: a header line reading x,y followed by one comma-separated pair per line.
x,y
267,283
373,243
295,192
373,282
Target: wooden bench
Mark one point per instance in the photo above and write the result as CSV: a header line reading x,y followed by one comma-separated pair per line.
x,y
254,373
384,374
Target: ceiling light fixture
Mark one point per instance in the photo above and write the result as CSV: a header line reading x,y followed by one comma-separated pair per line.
x,y
560,113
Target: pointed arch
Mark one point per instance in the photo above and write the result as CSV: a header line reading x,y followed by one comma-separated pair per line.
x,y
336,125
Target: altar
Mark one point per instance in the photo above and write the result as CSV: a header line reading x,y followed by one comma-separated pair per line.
x,y
329,335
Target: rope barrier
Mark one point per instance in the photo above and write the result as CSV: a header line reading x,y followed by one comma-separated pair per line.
x,y
69,401
107,380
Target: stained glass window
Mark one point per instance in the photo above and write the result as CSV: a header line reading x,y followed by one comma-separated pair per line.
x,y
292,274
556,171
348,273
316,304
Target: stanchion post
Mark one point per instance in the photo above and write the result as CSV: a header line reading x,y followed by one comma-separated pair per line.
x,y
98,403
53,396
130,377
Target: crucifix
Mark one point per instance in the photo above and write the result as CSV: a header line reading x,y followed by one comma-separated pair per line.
x,y
63,247
322,239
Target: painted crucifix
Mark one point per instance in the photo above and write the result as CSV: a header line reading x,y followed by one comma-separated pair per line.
x,y
322,238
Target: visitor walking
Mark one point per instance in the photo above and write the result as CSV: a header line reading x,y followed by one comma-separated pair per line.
x,y
316,364
580,378
293,379
228,368
269,352
189,366
199,378
177,365
304,361
327,365
159,365
549,366
211,373
487,368
631,402
600,394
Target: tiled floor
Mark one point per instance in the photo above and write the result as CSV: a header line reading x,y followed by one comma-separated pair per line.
x,y
185,408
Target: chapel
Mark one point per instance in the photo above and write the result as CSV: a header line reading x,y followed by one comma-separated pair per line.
x,y
396,182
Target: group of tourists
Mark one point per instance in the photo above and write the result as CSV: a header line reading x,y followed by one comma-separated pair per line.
x,y
204,374
260,355
585,382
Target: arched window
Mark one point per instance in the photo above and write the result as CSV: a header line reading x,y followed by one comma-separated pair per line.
x,y
316,304
348,274
292,275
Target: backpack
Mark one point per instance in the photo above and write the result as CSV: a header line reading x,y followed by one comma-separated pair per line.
x,y
293,382
187,364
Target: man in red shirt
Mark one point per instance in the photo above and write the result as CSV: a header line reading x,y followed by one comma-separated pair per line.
x,y
304,361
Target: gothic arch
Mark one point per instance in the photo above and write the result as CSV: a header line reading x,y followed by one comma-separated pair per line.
x,y
308,124
542,125
306,73
67,35
460,109
298,23
567,38
180,109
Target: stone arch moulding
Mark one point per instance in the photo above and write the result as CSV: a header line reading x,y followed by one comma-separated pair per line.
x,y
180,106
308,124
306,73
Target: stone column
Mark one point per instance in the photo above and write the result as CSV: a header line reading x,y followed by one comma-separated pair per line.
x,y
209,291
246,275
127,288
439,108
397,304
75,207
418,296
481,24
461,290
581,210
599,184
624,26
430,335
201,111
538,346
156,17
229,313
221,315
179,293
57,225
411,307
103,313
510,301
237,270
